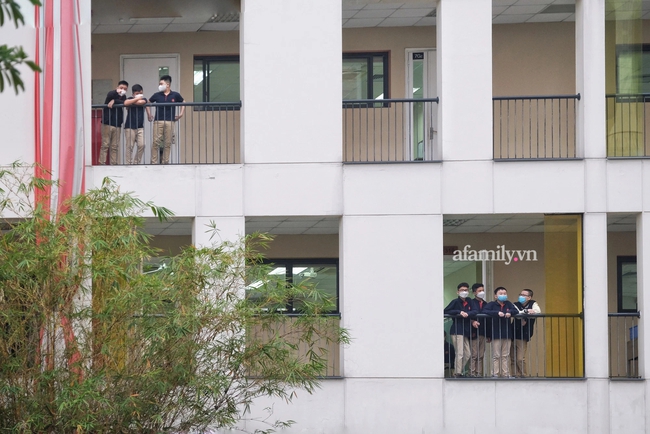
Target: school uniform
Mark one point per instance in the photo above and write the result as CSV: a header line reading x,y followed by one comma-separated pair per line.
x,y
502,334
478,338
523,331
460,330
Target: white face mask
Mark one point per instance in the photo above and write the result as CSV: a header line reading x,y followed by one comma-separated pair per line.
x,y
162,88
122,92
481,295
463,294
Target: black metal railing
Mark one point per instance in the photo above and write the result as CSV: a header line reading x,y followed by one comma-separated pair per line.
x,y
390,130
535,127
628,120
540,346
207,133
624,345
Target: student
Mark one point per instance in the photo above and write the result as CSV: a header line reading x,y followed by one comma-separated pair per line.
x,y
134,125
464,310
112,119
479,332
524,328
501,310
163,125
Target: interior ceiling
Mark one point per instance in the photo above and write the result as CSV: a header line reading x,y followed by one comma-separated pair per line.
x,y
452,224
155,16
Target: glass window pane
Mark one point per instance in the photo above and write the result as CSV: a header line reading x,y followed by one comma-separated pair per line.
x,y
378,78
355,79
223,81
198,80
322,276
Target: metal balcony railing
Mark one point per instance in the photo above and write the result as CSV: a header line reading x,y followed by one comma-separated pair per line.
x,y
390,130
553,347
628,120
288,325
535,127
624,345
208,133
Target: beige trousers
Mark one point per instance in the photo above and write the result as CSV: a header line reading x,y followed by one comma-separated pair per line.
x,y
478,351
461,345
110,139
162,138
501,357
521,346
134,139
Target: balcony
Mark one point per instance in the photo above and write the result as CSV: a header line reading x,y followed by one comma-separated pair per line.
x,y
624,345
390,130
535,127
555,349
208,133
628,120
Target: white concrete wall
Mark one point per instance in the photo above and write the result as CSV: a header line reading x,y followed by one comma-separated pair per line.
x,y
291,66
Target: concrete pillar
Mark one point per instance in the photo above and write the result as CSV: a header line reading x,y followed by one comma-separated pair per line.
x,y
464,35
590,78
291,63
643,300
596,321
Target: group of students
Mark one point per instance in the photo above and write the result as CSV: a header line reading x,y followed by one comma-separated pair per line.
x,y
136,104
503,324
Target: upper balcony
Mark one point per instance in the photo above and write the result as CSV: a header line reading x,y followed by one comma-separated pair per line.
x,y
391,108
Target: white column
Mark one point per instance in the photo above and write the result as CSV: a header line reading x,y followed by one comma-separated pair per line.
x,y
291,63
643,300
595,320
590,78
464,42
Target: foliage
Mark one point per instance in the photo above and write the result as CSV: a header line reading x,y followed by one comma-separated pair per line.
x,y
91,343
12,57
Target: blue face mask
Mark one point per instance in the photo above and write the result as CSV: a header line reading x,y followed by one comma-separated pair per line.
x,y
502,297
522,299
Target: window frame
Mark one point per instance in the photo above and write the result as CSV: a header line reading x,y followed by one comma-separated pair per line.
x,y
369,57
205,93
642,48
620,260
290,263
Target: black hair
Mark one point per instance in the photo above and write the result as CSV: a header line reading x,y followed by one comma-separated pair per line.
x,y
529,291
136,88
499,289
463,284
477,286
125,83
167,78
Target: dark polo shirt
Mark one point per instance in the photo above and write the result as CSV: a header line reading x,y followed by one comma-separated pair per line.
x,y
169,112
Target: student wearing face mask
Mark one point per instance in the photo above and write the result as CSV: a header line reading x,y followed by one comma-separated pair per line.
x,y
501,310
524,328
463,310
134,125
479,332
112,119
163,121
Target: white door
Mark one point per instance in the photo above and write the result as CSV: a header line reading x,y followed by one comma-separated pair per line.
x,y
422,117
146,70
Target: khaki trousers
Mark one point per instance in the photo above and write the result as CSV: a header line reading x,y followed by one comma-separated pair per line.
x,y
110,139
478,351
501,357
134,138
461,344
162,138
521,346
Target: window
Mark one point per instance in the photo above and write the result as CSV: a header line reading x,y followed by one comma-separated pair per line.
x,y
626,283
365,76
633,69
322,273
216,79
